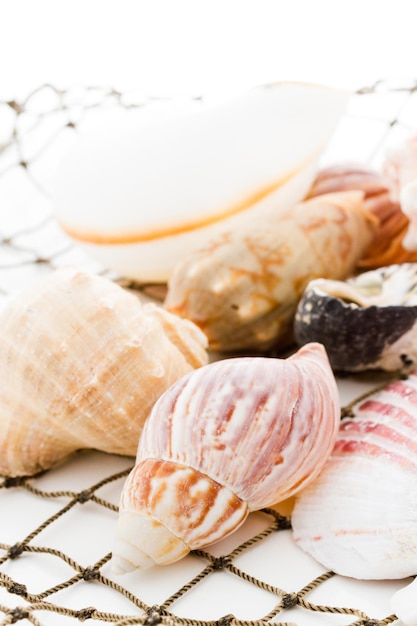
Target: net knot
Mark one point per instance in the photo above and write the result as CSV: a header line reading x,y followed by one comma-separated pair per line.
x,y
84,614
84,496
16,550
282,522
221,562
13,481
17,588
226,620
154,615
91,573
289,601
17,614
371,622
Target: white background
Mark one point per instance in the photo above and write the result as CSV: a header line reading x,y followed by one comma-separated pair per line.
x,y
166,47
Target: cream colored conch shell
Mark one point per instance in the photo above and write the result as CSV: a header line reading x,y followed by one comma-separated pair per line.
x,y
359,516
81,363
139,200
232,437
243,288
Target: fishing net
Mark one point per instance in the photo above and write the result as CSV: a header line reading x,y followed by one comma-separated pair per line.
x,y
56,529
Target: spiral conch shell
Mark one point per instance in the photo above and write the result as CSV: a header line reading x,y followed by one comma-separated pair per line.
x,y
139,199
81,363
232,437
359,516
242,290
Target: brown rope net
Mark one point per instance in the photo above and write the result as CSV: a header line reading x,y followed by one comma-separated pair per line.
x,y
55,544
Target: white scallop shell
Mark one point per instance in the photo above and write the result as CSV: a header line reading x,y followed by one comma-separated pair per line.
x,y
232,437
358,517
141,199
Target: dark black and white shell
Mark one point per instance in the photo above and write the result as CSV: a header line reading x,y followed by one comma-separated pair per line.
x,y
367,322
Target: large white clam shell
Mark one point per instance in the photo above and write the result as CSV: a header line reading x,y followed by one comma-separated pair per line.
x,y
358,517
82,361
141,199
232,437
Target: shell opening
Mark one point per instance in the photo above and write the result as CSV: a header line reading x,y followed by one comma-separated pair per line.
x,y
142,542
394,285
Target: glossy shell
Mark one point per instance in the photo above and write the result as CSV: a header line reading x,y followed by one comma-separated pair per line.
x,y
139,199
367,322
242,290
232,437
82,362
358,517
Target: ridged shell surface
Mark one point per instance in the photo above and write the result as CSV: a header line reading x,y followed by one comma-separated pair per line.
x,y
234,436
387,245
358,517
243,289
82,361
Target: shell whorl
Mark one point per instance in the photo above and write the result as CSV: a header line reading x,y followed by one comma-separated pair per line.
x,y
253,430
359,516
81,363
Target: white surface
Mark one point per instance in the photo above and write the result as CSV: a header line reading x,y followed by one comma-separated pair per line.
x,y
185,47
203,46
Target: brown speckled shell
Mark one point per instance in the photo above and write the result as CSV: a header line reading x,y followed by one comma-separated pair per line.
x,y
243,289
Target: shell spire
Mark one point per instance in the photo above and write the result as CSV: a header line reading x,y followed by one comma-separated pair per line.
x,y
234,436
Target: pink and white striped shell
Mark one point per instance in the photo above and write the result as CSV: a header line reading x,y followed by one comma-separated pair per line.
x,y
359,516
234,436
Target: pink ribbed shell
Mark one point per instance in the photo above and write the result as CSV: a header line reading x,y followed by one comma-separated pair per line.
x,y
359,517
236,436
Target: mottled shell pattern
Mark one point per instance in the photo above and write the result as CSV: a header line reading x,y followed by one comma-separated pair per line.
x,y
366,322
82,361
234,436
359,516
242,290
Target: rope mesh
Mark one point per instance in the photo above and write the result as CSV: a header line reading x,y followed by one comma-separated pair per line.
x,y
43,523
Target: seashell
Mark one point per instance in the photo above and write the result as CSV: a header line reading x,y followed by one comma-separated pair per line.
x,y
366,322
232,437
139,199
242,290
82,361
388,245
400,164
358,517
354,177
